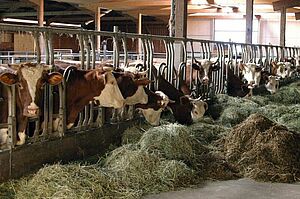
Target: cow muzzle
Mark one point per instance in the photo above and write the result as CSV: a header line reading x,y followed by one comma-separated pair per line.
x,y
32,110
205,80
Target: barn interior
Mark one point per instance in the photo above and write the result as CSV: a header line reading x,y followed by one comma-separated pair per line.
x,y
243,147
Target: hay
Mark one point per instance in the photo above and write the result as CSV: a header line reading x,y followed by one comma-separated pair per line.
x,y
133,134
147,172
263,150
71,181
233,110
173,141
288,116
286,95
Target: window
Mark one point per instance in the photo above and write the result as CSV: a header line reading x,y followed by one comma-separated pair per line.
x,y
234,30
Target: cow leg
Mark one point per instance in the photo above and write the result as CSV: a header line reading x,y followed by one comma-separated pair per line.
x,y
3,138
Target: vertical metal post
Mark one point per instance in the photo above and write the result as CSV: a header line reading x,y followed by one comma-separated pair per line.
x,y
116,48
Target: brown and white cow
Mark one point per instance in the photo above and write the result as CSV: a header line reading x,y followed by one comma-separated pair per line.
x,y
157,102
30,79
83,86
184,109
236,87
201,71
251,73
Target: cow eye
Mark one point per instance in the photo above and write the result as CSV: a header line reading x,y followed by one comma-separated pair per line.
x,y
20,86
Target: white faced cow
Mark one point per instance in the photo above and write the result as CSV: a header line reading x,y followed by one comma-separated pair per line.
x,y
251,73
30,79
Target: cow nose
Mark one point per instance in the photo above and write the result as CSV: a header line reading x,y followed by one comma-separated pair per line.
x,y
33,109
205,80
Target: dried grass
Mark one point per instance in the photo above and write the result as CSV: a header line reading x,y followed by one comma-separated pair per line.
x,y
264,150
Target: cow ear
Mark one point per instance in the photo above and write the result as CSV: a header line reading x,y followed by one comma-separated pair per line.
x,y
142,82
184,100
258,68
196,66
241,66
8,78
205,105
54,78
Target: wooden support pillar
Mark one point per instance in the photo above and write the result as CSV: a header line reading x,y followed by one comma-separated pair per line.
x,y
249,21
98,28
181,18
282,26
140,31
180,28
41,13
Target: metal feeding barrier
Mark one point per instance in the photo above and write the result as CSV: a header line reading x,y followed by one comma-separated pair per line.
x,y
225,54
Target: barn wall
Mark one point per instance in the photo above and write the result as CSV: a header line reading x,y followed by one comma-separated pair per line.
x,y
6,41
200,28
269,32
65,42
23,42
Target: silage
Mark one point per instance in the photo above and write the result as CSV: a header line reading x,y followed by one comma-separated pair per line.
x,y
264,150
133,134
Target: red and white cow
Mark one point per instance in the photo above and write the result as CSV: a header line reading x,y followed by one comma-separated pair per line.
x,y
157,102
251,73
30,79
83,86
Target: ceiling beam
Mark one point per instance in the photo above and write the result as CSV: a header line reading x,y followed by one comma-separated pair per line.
x,y
297,15
278,5
50,13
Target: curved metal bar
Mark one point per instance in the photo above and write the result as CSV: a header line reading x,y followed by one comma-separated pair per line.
x,y
88,52
36,36
93,49
124,43
46,39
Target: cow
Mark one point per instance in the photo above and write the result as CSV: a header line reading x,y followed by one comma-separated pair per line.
x,y
251,72
184,109
236,87
30,79
157,102
201,71
83,86
283,69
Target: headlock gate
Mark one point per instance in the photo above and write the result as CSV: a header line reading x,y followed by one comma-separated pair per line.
x,y
225,54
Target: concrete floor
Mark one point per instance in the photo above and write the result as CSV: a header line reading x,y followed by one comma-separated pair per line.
x,y
235,189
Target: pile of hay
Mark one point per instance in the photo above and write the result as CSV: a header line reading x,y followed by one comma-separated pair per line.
x,y
287,95
264,150
133,134
147,172
230,111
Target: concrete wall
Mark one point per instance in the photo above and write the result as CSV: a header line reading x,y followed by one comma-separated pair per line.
x,y
73,146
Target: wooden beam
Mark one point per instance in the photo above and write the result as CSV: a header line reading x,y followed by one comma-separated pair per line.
x,y
181,18
41,13
297,15
140,31
249,20
98,27
278,5
50,13
282,26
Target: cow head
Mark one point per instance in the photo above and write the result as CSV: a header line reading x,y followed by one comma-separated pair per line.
x,y
205,68
153,111
111,95
251,73
30,79
132,87
272,84
279,69
198,110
